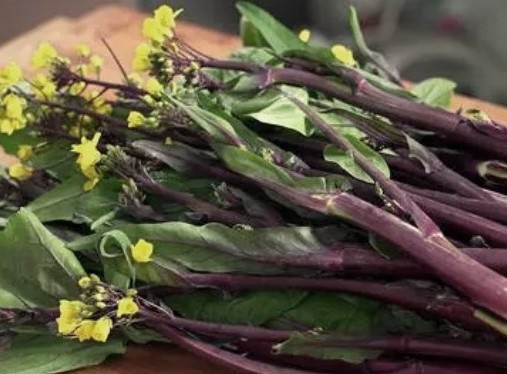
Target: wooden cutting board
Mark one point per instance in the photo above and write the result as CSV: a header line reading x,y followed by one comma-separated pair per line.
x,y
120,26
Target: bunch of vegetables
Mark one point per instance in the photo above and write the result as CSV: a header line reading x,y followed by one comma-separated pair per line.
x,y
292,209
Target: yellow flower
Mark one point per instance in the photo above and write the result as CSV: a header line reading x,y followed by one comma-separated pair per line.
x,y
70,316
83,50
24,152
90,184
166,16
96,63
102,329
127,307
88,158
141,61
304,35
87,150
343,54
45,88
85,329
153,86
77,88
135,119
10,75
43,56
154,31
14,106
142,251
8,126
20,172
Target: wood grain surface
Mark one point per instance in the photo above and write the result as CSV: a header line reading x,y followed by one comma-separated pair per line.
x,y
120,26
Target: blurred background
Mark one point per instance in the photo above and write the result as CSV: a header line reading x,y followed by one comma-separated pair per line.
x,y
459,39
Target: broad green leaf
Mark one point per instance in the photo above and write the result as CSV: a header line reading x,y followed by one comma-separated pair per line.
x,y
250,35
11,143
272,107
346,160
248,308
35,265
69,202
353,315
435,91
50,354
251,140
211,248
279,37
374,57
327,347
9,300
56,159
255,166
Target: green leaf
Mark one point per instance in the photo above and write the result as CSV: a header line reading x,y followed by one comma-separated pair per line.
x,y
217,248
352,314
272,107
69,202
324,347
250,35
346,160
11,143
435,91
279,37
255,166
35,266
49,354
248,308
56,159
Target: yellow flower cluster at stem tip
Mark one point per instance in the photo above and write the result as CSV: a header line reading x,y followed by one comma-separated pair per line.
x,y
142,251
127,307
43,56
141,61
343,54
20,171
10,74
153,87
161,25
305,35
11,113
25,151
136,119
45,89
88,158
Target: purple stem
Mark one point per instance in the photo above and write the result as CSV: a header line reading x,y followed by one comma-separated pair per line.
x,y
447,263
212,212
427,303
263,351
412,345
487,209
370,98
235,362
464,222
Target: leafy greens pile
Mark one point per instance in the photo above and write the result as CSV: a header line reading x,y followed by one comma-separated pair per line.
x,y
292,209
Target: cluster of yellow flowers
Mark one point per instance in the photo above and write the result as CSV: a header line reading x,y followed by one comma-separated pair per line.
x,y
10,75
12,118
161,25
86,320
156,29
88,158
